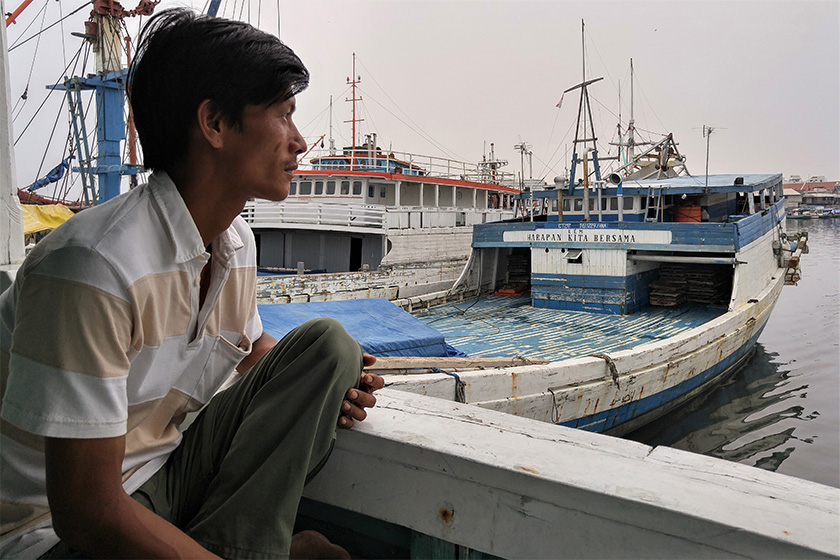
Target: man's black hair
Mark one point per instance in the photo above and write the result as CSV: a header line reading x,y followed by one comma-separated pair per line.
x,y
184,58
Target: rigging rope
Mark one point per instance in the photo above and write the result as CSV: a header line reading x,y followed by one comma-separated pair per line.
x,y
565,136
422,133
22,132
80,8
550,136
25,95
31,23
460,386
63,43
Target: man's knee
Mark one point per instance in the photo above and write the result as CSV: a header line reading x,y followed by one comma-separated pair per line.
x,y
336,348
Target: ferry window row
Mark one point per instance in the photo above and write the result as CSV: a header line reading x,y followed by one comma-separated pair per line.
x,y
308,188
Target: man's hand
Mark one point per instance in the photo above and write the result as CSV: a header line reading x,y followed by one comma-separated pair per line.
x,y
353,407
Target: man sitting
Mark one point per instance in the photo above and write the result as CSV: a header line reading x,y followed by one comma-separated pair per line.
x,y
135,312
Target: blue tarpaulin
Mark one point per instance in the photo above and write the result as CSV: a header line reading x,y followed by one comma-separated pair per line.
x,y
55,174
382,328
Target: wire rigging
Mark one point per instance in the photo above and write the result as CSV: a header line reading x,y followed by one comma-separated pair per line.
x,y
21,101
18,44
55,125
64,73
656,116
34,19
413,124
63,41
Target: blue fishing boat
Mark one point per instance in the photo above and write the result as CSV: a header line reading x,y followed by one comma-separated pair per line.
x,y
641,290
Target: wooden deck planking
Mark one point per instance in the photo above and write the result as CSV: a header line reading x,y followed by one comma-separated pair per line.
x,y
509,326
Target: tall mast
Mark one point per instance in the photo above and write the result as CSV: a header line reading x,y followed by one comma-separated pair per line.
x,y
356,79
103,30
631,126
583,50
620,131
581,129
332,140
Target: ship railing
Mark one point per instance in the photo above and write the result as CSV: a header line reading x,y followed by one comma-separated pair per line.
x,y
267,214
418,165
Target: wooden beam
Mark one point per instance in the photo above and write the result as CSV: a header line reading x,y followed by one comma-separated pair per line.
x,y
518,488
425,364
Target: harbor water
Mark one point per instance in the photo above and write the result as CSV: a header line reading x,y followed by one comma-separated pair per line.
x,y
782,411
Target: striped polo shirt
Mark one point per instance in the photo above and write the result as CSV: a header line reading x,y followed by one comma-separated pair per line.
x,y
101,335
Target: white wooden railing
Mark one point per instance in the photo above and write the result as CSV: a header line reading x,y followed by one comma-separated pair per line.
x,y
430,166
262,213
330,215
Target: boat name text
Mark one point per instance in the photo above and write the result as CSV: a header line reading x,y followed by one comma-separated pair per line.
x,y
603,236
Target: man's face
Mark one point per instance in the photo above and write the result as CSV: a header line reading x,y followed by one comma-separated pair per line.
x,y
263,154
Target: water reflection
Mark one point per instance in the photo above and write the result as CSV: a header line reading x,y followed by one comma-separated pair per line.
x,y
782,411
746,419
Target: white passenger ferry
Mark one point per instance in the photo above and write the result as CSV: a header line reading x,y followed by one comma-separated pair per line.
x,y
363,219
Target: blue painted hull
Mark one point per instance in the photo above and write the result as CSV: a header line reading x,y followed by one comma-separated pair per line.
x,y
627,417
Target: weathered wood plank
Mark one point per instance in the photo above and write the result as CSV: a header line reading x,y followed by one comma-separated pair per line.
x,y
425,364
517,488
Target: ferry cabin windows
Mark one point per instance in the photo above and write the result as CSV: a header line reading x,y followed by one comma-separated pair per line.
x,y
322,188
407,193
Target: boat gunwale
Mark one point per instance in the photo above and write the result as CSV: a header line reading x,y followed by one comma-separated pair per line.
x,y
428,179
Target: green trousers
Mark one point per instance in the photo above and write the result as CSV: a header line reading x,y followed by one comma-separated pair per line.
x,y
234,483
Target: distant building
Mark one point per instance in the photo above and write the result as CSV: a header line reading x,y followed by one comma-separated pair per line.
x,y
793,198
827,199
813,186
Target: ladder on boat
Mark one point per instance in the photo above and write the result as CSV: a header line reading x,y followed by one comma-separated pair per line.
x,y
653,207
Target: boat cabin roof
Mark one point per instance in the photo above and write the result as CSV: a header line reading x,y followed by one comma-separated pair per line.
x,y
689,184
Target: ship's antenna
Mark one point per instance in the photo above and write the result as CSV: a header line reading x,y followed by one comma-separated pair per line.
x,y
356,79
707,134
523,149
332,140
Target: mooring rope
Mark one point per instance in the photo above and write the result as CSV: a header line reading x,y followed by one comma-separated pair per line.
x,y
460,386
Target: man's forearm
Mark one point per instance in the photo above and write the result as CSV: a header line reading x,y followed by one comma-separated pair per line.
x,y
129,530
92,513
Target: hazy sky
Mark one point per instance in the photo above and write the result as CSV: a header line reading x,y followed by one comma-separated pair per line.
x,y
446,78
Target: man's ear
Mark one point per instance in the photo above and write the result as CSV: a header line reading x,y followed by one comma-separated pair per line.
x,y
210,123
